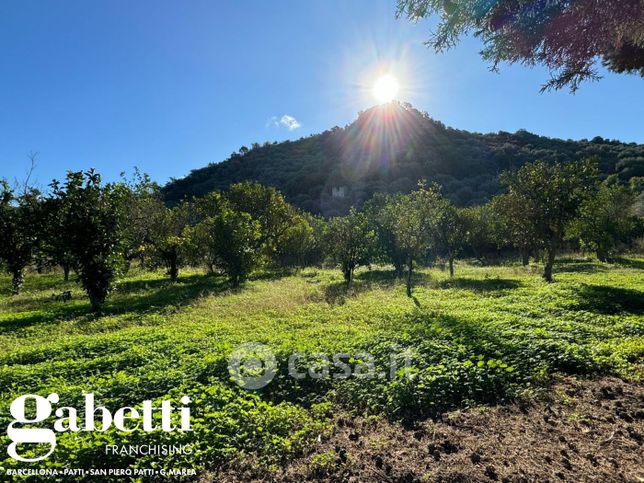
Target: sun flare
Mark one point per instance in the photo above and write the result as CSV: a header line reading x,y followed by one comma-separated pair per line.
x,y
386,88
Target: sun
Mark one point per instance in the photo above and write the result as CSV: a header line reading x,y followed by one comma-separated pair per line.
x,y
385,89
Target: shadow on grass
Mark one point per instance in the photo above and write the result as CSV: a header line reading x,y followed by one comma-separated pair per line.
x,y
162,293
36,283
630,263
481,285
603,299
388,278
337,293
382,277
572,266
273,274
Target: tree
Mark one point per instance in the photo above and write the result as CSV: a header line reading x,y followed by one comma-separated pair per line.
x,y
268,207
144,208
567,36
232,240
414,218
169,237
92,217
202,248
548,198
350,242
301,244
606,220
20,224
479,231
53,245
384,221
449,231
512,225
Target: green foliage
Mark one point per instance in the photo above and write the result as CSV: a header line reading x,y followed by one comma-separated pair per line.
x,y
413,220
91,217
268,207
21,219
383,218
350,242
144,208
606,220
510,225
489,335
480,233
169,237
233,239
302,243
542,201
449,229
411,226
412,146
566,36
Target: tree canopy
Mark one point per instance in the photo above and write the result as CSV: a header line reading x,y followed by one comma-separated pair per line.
x,y
569,37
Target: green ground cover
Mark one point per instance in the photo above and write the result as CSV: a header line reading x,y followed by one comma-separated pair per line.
x,y
488,335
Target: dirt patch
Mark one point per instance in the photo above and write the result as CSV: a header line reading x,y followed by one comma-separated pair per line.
x,y
582,431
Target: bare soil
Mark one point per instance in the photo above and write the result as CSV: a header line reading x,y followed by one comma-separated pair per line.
x,y
582,430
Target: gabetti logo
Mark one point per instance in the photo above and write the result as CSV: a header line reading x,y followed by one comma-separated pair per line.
x,y
125,419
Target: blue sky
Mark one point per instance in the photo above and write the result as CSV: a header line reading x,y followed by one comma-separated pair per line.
x,y
171,86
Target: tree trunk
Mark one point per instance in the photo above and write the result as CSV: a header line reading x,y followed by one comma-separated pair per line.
x,y
525,258
399,269
66,271
451,267
409,274
550,260
346,272
17,281
97,302
601,255
174,269
399,265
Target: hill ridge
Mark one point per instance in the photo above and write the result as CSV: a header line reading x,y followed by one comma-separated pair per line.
x,y
389,148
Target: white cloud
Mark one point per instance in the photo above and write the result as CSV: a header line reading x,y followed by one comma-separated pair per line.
x,y
289,122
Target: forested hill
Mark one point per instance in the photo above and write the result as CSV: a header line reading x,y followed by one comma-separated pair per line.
x,y
389,148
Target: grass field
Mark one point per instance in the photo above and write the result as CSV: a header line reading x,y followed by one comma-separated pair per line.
x,y
490,335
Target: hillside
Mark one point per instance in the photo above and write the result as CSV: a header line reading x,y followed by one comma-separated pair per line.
x,y
389,148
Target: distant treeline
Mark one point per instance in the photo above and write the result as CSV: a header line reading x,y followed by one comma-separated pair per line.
x,y
387,150
98,230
